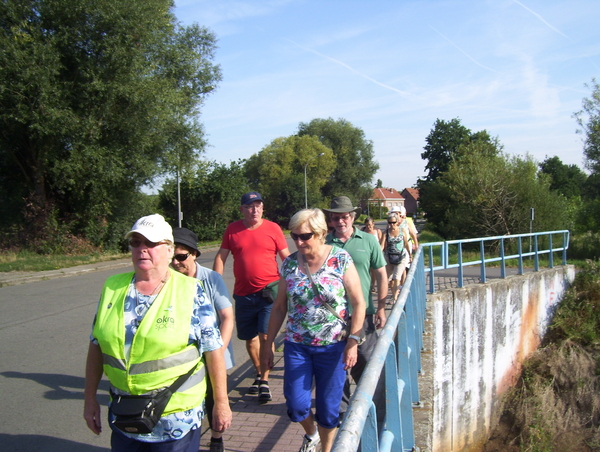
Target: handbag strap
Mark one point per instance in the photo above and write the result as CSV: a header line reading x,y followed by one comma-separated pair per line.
x,y
315,288
181,380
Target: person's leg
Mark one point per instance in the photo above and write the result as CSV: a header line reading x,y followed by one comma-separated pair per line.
x,y
297,389
121,443
189,443
329,382
327,436
253,349
245,322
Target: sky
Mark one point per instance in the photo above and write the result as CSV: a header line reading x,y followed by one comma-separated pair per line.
x,y
517,69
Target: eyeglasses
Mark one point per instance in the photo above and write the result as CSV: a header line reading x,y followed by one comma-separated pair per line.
x,y
136,243
336,218
181,257
303,237
253,206
392,222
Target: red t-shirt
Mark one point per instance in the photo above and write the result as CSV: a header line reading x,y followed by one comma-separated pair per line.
x,y
254,254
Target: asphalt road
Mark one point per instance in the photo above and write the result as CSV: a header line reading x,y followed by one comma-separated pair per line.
x,y
44,335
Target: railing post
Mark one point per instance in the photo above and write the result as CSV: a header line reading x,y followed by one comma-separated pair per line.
x,y
460,267
520,251
564,247
502,261
550,257
431,275
482,252
536,257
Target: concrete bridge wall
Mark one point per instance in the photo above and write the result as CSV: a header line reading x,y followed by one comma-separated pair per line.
x,y
480,335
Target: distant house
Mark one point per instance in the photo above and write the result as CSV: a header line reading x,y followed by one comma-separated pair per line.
x,y
385,197
411,200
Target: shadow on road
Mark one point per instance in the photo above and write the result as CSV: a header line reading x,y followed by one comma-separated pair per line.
x,y
62,387
14,443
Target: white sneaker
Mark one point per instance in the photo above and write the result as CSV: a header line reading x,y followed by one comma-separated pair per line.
x,y
310,445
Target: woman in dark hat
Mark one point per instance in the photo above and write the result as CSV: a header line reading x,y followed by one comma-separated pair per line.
x,y
184,261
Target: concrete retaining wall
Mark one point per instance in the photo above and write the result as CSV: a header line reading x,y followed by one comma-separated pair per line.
x,y
481,335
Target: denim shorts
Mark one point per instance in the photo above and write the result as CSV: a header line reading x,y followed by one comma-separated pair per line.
x,y
326,365
252,313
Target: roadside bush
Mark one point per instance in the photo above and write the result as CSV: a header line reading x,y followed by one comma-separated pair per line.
x,y
585,245
556,403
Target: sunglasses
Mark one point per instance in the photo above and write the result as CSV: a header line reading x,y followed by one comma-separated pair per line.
x,y
336,218
181,257
303,237
392,222
136,243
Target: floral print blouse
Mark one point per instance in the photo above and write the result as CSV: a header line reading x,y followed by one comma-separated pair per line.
x,y
309,321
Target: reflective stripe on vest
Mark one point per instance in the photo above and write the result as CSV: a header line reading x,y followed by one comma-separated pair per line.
x,y
159,352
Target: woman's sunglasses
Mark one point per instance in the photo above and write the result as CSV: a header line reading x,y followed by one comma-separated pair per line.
x,y
181,257
303,237
392,222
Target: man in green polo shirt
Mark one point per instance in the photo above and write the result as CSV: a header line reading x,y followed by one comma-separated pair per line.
x,y
367,255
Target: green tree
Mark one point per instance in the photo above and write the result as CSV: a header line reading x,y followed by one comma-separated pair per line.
x,y
97,98
355,166
210,198
588,119
444,143
482,195
568,180
277,172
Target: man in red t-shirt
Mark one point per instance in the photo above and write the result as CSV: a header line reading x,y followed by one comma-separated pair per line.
x,y
255,244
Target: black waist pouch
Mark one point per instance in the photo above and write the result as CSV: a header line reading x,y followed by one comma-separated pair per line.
x,y
139,414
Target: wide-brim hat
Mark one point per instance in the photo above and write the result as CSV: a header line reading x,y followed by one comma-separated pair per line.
x,y
184,236
153,227
342,204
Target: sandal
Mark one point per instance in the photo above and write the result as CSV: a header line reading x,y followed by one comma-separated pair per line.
x,y
264,393
253,389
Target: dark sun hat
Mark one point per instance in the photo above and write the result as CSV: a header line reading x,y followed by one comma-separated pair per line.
x,y
184,236
342,204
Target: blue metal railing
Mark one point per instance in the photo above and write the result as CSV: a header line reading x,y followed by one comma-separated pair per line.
x,y
498,243
399,349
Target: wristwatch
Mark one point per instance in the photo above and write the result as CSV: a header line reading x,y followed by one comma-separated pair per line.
x,y
358,339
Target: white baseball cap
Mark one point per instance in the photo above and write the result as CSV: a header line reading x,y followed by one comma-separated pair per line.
x,y
153,227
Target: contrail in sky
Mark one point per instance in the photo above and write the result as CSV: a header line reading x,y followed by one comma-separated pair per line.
x,y
465,53
541,18
402,93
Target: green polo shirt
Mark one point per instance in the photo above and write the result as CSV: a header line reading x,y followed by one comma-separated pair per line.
x,y
366,254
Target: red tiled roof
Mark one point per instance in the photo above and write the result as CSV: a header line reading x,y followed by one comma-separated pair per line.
x,y
413,192
387,193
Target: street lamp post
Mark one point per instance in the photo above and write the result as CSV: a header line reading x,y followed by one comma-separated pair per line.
x,y
305,186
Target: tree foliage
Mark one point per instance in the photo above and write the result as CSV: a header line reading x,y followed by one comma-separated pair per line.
x,y
446,141
568,180
484,193
355,166
277,172
96,99
589,120
210,198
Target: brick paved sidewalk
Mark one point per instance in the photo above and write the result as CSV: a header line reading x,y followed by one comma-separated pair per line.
x,y
256,427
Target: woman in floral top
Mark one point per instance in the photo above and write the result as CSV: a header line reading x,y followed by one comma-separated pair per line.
x,y
314,345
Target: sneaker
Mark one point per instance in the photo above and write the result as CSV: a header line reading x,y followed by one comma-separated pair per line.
x,y
310,445
264,393
217,446
253,389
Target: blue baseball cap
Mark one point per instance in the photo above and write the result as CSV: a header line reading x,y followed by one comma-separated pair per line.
x,y
251,197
